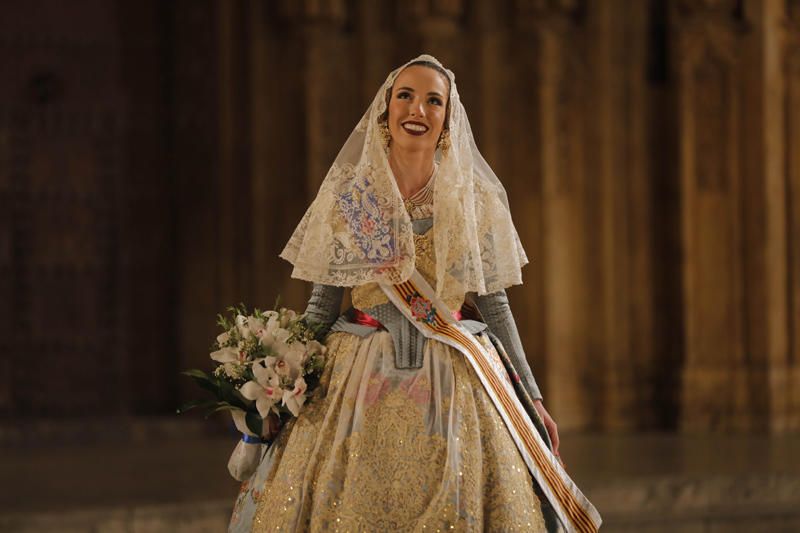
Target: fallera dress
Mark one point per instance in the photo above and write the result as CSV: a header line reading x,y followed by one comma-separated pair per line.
x,y
400,435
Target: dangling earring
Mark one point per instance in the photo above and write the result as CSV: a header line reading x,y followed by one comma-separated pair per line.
x,y
386,136
444,142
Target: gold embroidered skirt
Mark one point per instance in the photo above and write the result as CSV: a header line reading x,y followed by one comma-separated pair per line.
x,y
386,449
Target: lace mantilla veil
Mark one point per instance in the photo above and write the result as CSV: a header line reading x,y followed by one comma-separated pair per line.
x,y
357,230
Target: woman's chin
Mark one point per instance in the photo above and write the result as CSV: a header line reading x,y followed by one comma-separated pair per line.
x,y
409,143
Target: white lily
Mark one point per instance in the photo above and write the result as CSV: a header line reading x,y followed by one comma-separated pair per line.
x,y
295,357
294,399
255,326
272,316
265,390
287,316
222,338
275,340
271,325
281,335
282,368
241,325
226,355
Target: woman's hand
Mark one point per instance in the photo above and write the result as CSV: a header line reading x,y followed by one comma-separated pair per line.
x,y
550,424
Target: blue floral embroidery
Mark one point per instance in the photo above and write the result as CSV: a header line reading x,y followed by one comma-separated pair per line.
x,y
368,223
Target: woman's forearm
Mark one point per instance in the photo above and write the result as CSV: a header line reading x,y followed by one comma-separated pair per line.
x,y
324,304
497,313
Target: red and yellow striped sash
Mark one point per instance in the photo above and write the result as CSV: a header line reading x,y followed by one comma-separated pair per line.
x,y
418,302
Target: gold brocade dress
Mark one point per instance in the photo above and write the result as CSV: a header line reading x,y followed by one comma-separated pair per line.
x,y
385,449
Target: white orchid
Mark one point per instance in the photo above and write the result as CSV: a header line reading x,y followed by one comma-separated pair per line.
x,y
241,325
295,357
271,325
275,339
287,316
277,383
272,316
265,390
228,354
281,335
282,368
295,398
255,325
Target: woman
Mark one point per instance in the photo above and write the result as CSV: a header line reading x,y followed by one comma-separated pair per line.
x,y
405,432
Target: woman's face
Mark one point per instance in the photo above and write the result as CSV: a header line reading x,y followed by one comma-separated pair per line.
x,y
417,108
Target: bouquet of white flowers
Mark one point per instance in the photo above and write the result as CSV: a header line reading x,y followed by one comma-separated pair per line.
x,y
267,362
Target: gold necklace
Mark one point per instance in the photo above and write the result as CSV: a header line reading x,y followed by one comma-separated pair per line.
x,y
427,182
422,197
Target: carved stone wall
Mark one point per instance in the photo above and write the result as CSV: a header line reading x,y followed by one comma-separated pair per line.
x,y
730,76
649,149
710,80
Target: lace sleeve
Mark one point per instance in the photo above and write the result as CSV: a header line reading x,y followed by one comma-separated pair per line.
x,y
324,304
497,313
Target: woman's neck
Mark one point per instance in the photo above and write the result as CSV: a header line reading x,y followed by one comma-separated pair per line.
x,y
411,170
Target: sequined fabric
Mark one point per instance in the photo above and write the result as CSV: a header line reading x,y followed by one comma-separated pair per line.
x,y
386,449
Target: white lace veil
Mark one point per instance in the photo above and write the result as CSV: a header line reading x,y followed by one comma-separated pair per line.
x,y
357,229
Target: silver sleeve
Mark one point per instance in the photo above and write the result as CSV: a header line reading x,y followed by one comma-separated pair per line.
x,y
324,304
497,314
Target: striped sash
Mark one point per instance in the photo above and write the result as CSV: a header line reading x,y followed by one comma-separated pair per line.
x,y
418,302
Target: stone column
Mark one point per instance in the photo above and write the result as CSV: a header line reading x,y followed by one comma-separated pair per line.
x,y
785,376
708,51
564,262
734,217
619,210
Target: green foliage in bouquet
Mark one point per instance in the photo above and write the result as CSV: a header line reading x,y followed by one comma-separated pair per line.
x,y
266,363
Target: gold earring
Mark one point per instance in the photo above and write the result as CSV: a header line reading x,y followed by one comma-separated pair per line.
x,y
386,136
444,142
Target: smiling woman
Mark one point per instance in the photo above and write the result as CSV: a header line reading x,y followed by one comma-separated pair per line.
x,y
428,415
415,119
